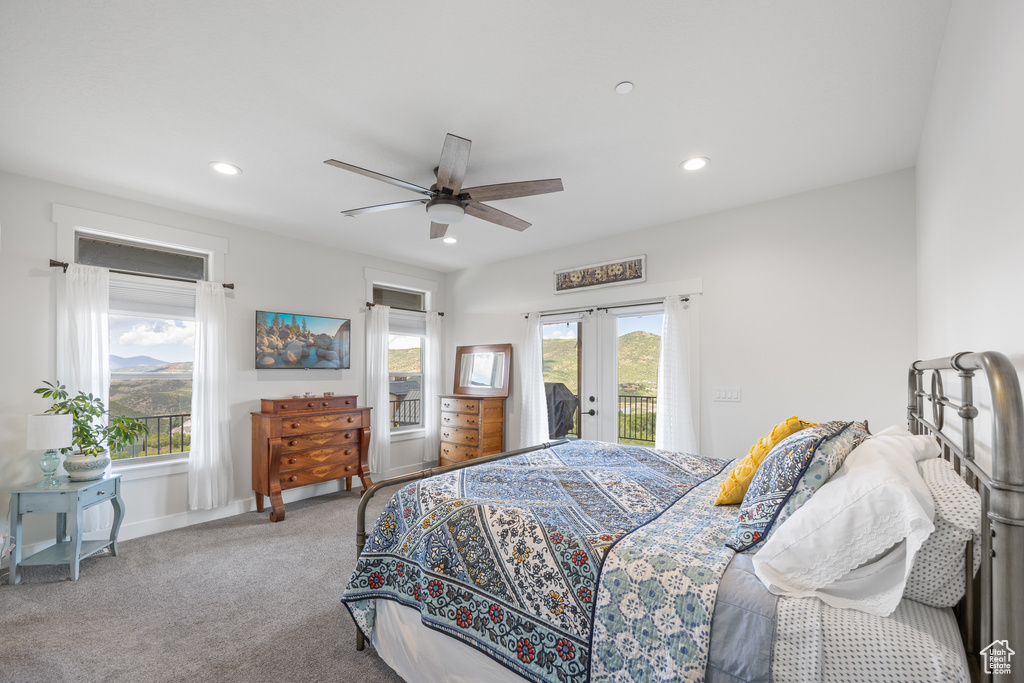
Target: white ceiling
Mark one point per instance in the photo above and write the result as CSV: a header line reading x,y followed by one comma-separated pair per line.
x,y
136,97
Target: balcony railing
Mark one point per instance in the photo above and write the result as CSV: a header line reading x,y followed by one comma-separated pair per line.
x,y
405,412
636,419
167,434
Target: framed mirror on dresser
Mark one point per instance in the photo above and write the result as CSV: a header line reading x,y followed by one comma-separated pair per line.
x,y
473,416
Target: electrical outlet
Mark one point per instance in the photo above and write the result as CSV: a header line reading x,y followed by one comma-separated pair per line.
x,y
726,394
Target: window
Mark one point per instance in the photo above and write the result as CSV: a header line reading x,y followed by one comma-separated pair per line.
x,y
151,337
151,327
399,298
562,353
405,370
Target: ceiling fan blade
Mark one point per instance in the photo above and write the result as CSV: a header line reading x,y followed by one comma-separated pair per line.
x,y
380,176
454,159
526,188
437,230
489,213
383,207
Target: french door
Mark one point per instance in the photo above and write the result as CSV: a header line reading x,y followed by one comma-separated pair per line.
x,y
608,359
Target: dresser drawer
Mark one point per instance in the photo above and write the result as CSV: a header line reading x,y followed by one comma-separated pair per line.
x,y
459,420
318,473
302,442
310,424
457,453
464,437
460,405
320,456
306,405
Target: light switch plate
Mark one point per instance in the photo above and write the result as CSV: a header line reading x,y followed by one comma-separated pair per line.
x,y
727,394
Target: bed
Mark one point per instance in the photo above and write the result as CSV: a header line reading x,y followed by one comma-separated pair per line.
x,y
586,561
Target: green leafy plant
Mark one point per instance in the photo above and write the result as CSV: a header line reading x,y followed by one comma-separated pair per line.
x,y
89,434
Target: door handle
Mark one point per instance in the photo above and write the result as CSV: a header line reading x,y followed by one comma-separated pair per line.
x,y
591,412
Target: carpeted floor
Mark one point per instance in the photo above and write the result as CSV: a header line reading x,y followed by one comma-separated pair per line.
x,y
239,599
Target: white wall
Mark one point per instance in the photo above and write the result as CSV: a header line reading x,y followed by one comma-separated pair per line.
x,y
270,272
808,304
971,187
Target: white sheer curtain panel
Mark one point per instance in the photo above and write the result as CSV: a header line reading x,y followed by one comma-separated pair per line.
x,y
83,351
210,471
430,397
673,429
377,395
533,428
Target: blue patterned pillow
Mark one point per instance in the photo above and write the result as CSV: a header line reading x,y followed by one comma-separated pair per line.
x,y
796,468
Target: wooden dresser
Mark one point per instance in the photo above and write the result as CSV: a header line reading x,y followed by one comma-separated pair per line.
x,y
471,427
302,441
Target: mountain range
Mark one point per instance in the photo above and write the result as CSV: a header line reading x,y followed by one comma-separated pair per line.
x,y
119,362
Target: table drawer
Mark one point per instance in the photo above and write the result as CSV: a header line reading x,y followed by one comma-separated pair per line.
x,y
318,473
460,405
320,456
303,442
457,452
459,420
463,437
310,424
307,405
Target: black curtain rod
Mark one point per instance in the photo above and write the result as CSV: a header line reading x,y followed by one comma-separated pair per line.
x,y
64,266
646,303
599,308
370,304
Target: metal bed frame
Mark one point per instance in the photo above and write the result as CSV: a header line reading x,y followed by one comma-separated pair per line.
x,y
993,607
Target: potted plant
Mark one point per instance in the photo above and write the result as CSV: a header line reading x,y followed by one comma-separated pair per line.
x,y
92,439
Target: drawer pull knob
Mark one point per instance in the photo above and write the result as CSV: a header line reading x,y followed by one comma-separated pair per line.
x,y
348,403
469,438
100,493
309,405
292,442
351,419
295,425
348,467
292,461
348,451
326,404
293,478
284,406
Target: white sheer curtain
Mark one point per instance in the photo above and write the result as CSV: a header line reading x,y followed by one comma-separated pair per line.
x,y
83,352
209,463
377,331
533,427
673,429
430,397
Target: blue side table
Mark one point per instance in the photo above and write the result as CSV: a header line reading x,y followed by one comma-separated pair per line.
x,y
69,500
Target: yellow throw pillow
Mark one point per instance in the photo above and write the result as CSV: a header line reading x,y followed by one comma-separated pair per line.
x,y
734,487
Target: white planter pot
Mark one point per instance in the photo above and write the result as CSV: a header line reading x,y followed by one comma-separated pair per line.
x,y
86,467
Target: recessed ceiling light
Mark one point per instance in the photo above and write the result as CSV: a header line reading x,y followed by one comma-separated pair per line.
x,y
624,87
449,240
225,168
695,164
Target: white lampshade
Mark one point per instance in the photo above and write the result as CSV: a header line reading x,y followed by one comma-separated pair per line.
x,y
49,432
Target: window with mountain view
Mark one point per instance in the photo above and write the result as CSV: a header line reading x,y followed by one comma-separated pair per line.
x,y
405,380
152,336
639,344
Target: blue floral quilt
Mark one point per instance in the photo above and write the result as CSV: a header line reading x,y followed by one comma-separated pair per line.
x,y
507,557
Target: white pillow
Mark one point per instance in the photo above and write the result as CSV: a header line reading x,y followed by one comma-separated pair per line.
x,y
853,543
938,578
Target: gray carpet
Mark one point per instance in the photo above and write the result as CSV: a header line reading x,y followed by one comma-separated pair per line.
x,y
239,599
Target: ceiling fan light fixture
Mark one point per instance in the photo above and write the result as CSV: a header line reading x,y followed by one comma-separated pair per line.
x,y
695,164
225,168
444,210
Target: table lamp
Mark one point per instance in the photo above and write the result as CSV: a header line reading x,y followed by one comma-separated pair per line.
x,y
48,433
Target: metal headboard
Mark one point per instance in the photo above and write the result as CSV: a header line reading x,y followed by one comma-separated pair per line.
x,y
993,607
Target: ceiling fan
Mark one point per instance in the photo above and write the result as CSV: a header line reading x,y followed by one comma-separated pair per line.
x,y
447,201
